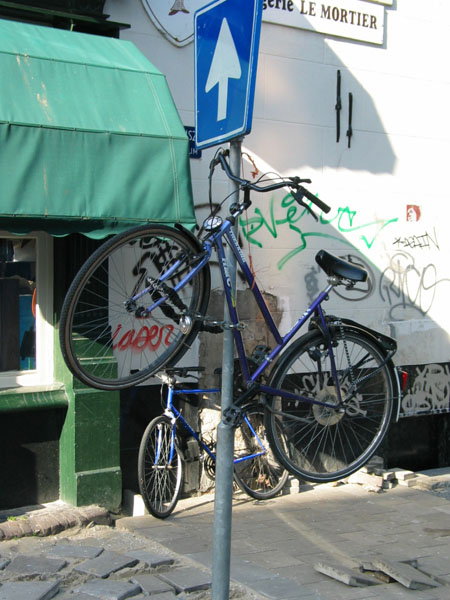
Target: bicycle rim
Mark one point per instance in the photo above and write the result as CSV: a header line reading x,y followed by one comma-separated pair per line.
x,y
105,339
159,468
321,444
261,477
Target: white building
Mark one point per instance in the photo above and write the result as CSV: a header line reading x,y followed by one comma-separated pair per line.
x,y
385,184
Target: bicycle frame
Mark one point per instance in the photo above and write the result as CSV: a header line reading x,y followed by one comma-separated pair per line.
x,y
174,414
214,240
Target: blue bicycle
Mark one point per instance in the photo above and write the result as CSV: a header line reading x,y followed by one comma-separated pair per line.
x,y
169,442
140,300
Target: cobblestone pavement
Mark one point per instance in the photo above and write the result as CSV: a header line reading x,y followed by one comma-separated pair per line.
x,y
310,545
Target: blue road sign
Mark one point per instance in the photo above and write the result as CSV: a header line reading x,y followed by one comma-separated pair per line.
x,y
226,36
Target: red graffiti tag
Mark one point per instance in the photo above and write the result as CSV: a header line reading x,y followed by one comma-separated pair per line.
x,y
147,338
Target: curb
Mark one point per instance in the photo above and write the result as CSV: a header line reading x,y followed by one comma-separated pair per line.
x,y
50,520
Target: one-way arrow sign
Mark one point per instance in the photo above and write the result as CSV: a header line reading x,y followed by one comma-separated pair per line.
x,y
226,51
225,65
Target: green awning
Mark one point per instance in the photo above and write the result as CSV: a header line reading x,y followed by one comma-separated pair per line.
x,y
90,139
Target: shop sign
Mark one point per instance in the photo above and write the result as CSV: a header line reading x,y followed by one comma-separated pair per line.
x,y
174,18
361,20
385,2
352,19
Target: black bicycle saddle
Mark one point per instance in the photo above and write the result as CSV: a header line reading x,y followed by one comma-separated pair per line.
x,y
332,265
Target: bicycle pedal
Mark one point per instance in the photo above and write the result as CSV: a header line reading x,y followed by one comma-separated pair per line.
x,y
260,353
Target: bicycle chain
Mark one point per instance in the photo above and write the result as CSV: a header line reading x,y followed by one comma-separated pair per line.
x,y
347,353
361,379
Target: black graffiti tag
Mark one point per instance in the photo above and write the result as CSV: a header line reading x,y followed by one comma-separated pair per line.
x,y
406,287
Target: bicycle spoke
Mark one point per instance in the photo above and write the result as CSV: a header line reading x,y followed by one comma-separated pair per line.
x,y
320,442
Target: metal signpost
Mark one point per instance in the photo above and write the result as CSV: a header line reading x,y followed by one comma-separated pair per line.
x,y
226,36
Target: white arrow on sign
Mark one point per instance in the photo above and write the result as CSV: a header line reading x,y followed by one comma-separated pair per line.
x,y
225,65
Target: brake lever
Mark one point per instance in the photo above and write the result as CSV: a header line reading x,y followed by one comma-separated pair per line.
x,y
296,180
216,160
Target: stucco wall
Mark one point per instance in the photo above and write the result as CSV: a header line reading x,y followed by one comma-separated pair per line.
x,y
394,171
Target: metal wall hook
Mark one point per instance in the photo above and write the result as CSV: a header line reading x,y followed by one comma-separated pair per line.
x,y
350,116
338,106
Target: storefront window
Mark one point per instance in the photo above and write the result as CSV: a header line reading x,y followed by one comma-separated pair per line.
x,y
24,310
18,303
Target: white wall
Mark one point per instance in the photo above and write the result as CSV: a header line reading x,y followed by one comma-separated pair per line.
x,y
398,157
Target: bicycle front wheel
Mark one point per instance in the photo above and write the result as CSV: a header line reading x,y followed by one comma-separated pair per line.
x,y
320,443
260,477
107,339
160,468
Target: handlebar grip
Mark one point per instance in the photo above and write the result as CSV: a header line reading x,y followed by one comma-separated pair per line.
x,y
315,200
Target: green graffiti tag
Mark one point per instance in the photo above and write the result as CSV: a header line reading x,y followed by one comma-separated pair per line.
x,y
289,214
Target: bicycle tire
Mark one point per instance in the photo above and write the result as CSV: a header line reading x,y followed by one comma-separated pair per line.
x,y
159,477
104,341
261,477
320,444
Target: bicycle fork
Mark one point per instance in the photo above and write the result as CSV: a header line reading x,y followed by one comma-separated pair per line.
x,y
159,445
255,435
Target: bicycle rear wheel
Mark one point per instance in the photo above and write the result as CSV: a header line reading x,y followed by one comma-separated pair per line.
x,y
106,338
260,477
160,468
318,443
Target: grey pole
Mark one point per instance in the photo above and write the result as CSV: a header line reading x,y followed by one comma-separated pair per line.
x,y
225,435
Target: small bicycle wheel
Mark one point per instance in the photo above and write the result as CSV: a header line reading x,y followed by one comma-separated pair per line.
x,y
260,477
321,443
160,468
107,339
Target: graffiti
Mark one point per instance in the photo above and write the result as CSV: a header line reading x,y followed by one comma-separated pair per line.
x,y
405,287
290,215
413,213
160,253
429,392
359,291
146,338
417,241
312,283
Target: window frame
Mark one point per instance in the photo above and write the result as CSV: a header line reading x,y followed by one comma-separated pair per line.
x,y
43,374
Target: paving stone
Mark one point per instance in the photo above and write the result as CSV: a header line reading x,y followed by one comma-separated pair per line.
x,y
35,565
405,574
75,596
152,584
347,576
74,551
165,596
109,590
366,479
279,587
105,564
71,595
247,572
187,579
434,566
151,559
403,474
36,590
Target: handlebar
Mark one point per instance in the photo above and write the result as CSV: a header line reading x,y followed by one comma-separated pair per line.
x,y
294,183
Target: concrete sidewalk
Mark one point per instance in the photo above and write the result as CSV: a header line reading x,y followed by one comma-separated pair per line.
x,y
277,544
310,545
